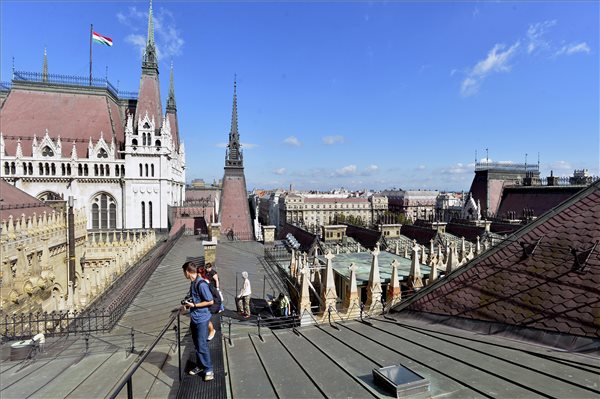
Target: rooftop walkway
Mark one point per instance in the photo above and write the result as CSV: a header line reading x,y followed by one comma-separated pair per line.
x,y
65,370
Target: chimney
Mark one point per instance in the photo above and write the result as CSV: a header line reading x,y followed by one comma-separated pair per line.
x,y
552,180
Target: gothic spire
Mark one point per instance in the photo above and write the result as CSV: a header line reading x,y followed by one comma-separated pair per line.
x,y
150,57
233,133
45,67
234,156
171,105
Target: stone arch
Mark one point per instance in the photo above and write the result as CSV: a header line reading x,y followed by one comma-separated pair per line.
x,y
48,196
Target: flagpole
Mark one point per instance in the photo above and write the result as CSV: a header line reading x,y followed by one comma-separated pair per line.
x,y
91,33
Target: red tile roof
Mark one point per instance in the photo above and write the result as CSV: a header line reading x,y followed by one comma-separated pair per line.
x,y
539,199
149,100
16,202
72,116
546,290
235,212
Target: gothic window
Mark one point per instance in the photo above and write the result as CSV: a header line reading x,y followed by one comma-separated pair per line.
x,y
6,168
63,170
146,170
144,139
47,152
122,170
146,125
141,174
47,168
40,165
143,215
152,170
101,170
85,170
69,169
102,153
134,142
95,170
104,212
157,144
150,213
24,168
30,168
13,168
107,169
117,170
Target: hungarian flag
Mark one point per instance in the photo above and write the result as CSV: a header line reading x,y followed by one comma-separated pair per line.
x,y
98,38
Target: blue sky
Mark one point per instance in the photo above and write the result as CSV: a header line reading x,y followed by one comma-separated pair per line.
x,y
347,94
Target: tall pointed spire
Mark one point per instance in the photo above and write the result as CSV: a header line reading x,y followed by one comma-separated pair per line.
x,y
234,154
45,67
171,105
150,62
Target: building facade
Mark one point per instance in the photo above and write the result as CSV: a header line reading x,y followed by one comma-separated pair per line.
x,y
413,204
319,209
115,153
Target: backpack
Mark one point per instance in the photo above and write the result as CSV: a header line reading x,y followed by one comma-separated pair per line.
x,y
216,306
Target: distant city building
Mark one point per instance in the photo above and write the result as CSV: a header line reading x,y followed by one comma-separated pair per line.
x,y
317,209
413,204
448,206
116,153
491,178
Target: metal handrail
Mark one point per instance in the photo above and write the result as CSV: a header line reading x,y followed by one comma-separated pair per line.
x,y
127,378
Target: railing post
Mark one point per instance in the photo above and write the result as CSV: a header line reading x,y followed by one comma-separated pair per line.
x,y
264,285
362,308
178,333
87,342
258,324
129,388
229,332
132,340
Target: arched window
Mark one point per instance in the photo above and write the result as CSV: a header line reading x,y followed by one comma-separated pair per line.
x,y
101,170
141,171
47,152
143,215
53,166
24,168
134,142
41,168
143,138
107,169
69,169
157,144
150,213
13,168
63,169
152,169
85,170
122,170
146,170
47,168
104,212
30,168
95,170
6,168
117,170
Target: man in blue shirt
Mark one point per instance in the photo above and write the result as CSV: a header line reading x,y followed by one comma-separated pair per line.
x,y
198,305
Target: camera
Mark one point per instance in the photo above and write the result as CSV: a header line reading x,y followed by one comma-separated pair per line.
x,y
187,299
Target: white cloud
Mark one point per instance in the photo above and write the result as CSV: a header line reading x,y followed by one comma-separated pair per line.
x,y
535,35
561,167
372,168
329,140
248,146
221,145
279,171
574,49
497,60
349,170
421,167
169,42
293,141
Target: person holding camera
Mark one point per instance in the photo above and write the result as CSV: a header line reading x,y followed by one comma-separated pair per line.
x,y
198,302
